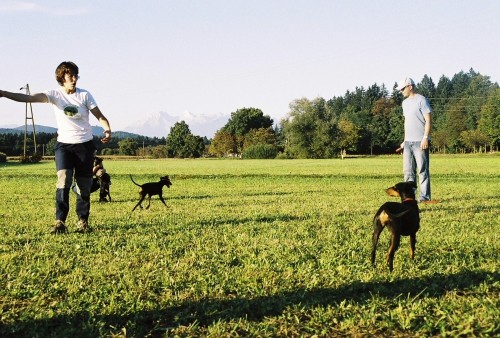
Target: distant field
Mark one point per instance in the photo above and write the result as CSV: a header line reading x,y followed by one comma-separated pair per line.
x,y
259,248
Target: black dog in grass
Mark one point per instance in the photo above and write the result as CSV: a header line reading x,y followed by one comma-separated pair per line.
x,y
101,180
150,189
402,219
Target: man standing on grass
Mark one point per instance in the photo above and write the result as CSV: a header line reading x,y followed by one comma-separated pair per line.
x,y
417,126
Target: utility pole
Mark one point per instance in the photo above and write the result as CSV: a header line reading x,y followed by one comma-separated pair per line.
x,y
28,116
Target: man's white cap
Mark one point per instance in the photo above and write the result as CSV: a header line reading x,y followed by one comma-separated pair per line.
x,y
405,82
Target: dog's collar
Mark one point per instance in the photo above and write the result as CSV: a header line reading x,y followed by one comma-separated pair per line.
x,y
408,199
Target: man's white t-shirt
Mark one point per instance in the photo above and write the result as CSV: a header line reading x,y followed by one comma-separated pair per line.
x,y
72,114
414,110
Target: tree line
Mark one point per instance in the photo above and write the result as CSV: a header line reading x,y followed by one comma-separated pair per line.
x,y
466,118
13,143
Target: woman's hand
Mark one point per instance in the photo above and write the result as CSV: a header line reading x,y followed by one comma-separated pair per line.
x,y
107,136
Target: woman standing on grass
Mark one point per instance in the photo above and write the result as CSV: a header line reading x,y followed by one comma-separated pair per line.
x,y
74,150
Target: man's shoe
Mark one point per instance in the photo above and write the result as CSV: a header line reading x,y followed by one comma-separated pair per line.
x,y
83,227
58,228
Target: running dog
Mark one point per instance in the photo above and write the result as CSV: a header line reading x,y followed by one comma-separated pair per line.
x,y
402,219
150,189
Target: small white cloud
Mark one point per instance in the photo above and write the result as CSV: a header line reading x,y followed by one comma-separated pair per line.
x,y
25,6
18,6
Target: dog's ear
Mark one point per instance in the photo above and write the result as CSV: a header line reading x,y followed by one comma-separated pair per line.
x,y
392,191
412,184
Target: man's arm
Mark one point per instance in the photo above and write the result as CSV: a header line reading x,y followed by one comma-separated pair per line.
x,y
427,131
39,97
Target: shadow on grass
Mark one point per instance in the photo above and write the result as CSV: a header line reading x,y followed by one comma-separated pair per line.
x,y
246,220
135,197
205,312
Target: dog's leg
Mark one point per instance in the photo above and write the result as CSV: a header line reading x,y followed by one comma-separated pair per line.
x,y
413,242
395,238
139,203
149,202
377,229
161,199
107,193
103,193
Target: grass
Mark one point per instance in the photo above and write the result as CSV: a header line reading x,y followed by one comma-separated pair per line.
x,y
251,248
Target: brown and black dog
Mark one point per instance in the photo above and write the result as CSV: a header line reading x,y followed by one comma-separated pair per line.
x,y
402,219
150,189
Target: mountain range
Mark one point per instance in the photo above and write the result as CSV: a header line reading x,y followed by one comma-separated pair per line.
x,y
96,130
152,125
159,124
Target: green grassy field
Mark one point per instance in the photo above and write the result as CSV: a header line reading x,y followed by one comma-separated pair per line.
x,y
252,248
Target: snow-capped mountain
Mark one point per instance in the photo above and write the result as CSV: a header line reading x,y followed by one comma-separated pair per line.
x,y
159,124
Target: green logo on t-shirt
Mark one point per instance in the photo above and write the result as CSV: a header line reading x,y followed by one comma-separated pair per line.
x,y
71,111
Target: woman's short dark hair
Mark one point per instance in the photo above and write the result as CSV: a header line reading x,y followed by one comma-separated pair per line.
x,y
66,67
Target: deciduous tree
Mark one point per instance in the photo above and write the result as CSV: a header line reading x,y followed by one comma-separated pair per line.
x,y
182,143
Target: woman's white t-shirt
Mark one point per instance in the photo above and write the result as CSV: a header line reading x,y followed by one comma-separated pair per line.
x,y
72,114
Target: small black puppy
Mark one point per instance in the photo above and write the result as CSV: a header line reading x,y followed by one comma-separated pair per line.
x,y
402,219
104,191
102,180
150,189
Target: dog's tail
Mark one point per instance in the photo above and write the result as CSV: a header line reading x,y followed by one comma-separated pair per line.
x,y
137,184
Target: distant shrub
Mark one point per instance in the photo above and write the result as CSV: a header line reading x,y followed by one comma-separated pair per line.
x,y
35,158
3,158
108,151
284,156
260,151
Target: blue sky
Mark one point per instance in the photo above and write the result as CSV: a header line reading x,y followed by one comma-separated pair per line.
x,y
214,57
